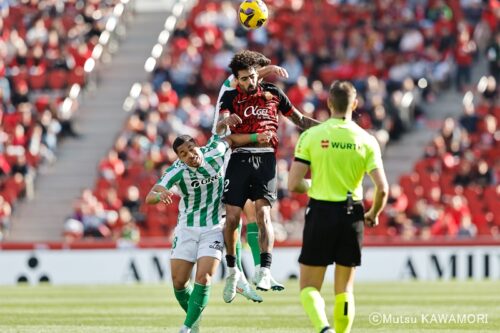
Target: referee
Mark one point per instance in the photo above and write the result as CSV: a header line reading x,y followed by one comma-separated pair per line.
x,y
339,153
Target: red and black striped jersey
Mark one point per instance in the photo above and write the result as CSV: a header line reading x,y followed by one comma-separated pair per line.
x,y
258,111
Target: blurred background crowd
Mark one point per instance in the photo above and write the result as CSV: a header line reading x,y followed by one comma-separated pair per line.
x,y
400,54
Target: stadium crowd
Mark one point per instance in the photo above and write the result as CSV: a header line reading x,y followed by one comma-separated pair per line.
x,y
44,45
399,54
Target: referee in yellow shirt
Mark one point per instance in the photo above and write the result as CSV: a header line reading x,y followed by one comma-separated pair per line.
x,y
339,153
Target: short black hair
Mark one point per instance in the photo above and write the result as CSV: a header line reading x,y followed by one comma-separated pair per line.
x,y
180,140
341,95
243,60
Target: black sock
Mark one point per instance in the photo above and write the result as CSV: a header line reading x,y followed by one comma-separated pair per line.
x,y
266,259
230,260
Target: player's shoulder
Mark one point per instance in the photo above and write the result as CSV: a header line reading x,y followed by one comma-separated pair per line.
x,y
229,94
271,87
364,134
175,168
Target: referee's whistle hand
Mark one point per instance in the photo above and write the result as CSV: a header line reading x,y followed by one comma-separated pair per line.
x,y
370,220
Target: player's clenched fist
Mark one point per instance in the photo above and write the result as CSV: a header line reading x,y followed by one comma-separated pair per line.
x,y
264,137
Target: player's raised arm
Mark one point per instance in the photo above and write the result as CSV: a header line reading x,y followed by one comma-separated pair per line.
x,y
272,69
226,121
300,120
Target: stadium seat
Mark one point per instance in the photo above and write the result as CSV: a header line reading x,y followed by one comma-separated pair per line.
x,y
37,81
57,79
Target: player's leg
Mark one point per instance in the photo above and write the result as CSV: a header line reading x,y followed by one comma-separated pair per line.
x,y
205,269
242,286
311,280
236,186
266,243
253,242
264,193
182,259
347,257
208,256
238,248
344,309
252,231
318,245
230,238
181,271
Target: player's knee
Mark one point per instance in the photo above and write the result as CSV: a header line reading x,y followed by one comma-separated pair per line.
x,y
203,278
179,282
232,219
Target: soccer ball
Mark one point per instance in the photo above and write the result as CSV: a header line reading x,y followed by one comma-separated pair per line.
x,y
253,14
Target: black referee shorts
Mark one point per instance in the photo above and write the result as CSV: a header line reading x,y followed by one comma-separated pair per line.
x,y
331,235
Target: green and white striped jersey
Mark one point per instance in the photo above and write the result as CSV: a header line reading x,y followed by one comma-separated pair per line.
x,y
200,188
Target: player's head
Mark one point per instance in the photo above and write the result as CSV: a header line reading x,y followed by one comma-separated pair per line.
x,y
342,97
188,151
243,68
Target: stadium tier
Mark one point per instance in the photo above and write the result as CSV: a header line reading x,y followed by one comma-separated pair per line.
x,y
399,55
48,50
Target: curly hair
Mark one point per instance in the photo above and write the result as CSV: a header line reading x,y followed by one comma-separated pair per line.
x,y
246,59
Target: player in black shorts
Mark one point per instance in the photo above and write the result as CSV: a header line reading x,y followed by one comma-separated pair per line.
x,y
251,172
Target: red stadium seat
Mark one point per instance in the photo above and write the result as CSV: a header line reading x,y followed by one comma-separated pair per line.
x,y
37,81
57,79
77,76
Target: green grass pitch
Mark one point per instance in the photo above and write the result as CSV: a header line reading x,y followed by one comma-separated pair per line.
x,y
407,307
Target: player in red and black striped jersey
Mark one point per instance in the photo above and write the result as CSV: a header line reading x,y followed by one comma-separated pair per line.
x,y
251,172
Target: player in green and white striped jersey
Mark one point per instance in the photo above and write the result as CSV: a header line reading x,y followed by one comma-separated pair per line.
x,y
198,235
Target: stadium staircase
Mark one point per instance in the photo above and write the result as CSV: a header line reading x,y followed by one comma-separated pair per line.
x,y
100,117
400,156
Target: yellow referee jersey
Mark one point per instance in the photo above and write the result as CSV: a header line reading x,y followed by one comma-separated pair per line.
x,y
339,153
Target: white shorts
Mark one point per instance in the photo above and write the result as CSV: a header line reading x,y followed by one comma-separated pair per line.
x,y
192,243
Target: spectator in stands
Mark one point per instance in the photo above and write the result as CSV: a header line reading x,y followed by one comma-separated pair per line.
x,y
444,226
450,133
487,87
469,120
464,53
464,176
112,167
493,56
293,66
130,231
467,229
397,202
490,137
37,34
112,201
5,214
381,124
167,95
483,175
133,202
457,209
73,230
20,94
